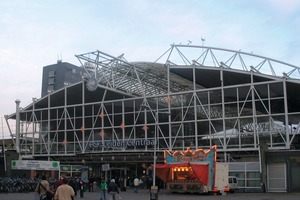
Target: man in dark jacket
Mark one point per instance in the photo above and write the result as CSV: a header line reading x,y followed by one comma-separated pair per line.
x,y
81,187
113,189
73,184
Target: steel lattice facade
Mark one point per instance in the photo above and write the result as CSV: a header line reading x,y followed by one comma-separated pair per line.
x,y
192,96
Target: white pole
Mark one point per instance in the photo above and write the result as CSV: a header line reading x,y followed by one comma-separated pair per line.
x,y
155,141
156,132
18,126
4,155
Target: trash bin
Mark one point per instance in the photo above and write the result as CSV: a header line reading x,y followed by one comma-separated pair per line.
x,y
154,193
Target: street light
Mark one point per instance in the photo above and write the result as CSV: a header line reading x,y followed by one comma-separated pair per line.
x,y
146,107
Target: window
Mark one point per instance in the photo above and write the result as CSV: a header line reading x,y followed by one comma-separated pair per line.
x,y
51,80
51,73
51,88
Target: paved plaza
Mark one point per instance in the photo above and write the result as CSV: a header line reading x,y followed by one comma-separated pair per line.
x,y
164,195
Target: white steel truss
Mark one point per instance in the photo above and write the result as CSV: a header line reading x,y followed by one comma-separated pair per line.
x,y
236,115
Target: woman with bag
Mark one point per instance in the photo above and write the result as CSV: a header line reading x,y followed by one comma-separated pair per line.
x,y
43,189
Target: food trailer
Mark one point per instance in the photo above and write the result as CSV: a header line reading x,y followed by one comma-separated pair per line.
x,y
192,171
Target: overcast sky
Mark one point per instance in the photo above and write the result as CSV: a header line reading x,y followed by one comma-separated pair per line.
x,y
34,32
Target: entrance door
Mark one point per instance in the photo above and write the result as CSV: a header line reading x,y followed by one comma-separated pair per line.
x,y
120,174
276,177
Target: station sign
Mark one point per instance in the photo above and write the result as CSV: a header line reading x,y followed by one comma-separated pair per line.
x,y
35,165
105,167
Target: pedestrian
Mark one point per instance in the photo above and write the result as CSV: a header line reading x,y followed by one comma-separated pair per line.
x,y
91,184
122,184
64,191
59,182
149,182
81,187
136,183
73,184
113,189
103,189
43,189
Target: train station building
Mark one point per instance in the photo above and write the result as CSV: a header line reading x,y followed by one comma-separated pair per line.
x,y
121,114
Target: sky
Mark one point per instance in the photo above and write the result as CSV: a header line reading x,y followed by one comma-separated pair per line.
x,y
36,33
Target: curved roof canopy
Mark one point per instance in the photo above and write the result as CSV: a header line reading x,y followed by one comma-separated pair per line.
x,y
139,79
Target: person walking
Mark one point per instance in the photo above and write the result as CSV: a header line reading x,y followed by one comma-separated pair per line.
x,y
73,184
64,191
103,189
43,189
81,187
113,189
91,184
122,184
136,183
59,182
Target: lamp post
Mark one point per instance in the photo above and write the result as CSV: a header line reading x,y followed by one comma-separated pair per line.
x,y
146,107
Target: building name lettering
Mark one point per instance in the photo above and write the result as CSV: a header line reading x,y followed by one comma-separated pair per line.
x,y
123,143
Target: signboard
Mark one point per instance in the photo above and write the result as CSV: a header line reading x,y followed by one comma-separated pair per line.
x,y
65,168
198,155
85,174
121,143
76,168
105,167
35,165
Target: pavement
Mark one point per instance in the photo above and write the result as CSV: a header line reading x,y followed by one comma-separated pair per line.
x,y
165,195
